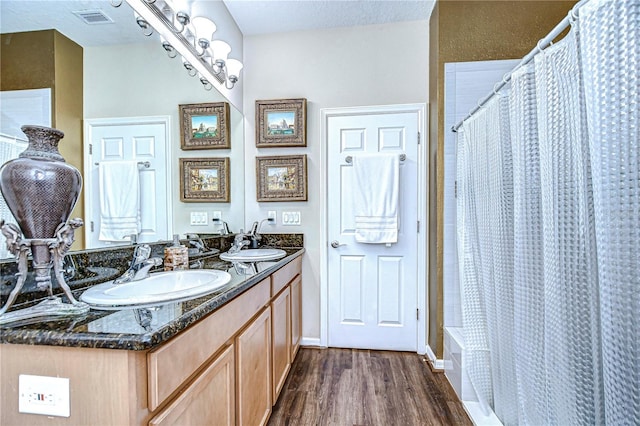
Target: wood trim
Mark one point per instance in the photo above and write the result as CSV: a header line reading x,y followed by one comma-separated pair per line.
x,y
185,354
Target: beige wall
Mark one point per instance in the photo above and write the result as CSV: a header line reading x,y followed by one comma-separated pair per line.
x,y
27,60
471,31
342,67
68,111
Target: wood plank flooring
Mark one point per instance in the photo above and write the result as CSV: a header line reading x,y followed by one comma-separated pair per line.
x,y
345,387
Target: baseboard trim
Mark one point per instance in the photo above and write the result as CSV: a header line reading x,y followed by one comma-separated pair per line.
x,y
436,364
312,342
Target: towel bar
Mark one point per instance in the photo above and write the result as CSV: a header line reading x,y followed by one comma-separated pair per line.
x,y
349,158
146,164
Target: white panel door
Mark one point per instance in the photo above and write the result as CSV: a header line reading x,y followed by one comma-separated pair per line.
x,y
372,288
145,142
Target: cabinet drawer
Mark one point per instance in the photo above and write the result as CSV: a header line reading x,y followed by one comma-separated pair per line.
x,y
282,276
210,399
174,362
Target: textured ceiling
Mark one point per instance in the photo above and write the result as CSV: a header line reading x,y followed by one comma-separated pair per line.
x,y
33,15
272,16
253,17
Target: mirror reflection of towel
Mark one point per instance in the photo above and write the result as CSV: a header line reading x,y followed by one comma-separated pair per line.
x,y
119,183
376,178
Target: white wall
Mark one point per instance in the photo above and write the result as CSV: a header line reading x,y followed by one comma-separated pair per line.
x,y
355,66
140,80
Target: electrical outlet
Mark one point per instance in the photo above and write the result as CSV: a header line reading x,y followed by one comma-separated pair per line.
x,y
272,217
199,218
291,218
44,395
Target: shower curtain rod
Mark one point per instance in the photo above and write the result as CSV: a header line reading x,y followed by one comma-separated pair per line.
x,y
542,44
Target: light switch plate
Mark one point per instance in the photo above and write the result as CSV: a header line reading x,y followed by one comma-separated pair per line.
x,y
199,218
44,395
291,218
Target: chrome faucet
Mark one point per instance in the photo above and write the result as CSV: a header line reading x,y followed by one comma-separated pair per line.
x,y
140,265
224,226
239,242
243,239
255,232
196,242
225,229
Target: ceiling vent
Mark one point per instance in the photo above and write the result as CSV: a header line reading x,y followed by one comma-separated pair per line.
x,y
93,17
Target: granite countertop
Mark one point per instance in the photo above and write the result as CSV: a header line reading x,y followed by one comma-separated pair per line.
x,y
142,328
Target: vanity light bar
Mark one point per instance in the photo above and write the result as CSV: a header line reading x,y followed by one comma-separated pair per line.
x,y
154,16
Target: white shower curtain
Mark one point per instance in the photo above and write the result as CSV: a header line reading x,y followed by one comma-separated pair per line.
x,y
610,52
486,245
549,230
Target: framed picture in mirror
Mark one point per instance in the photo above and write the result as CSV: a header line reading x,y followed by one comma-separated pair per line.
x,y
204,180
281,123
282,178
204,126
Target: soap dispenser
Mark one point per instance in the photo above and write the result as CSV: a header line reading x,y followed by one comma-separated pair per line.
x,y
176,256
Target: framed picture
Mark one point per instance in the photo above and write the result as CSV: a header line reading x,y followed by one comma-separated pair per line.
x,y
282,178
281,123
204,180
204,126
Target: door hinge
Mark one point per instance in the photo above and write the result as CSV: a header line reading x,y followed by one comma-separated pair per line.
x,y
418,230
417,314
418,138
90,149
91,226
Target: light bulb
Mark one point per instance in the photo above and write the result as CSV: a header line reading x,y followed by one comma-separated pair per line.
x,y
204,29
234,67
220,51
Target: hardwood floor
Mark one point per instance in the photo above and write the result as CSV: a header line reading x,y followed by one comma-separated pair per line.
x,y
346,387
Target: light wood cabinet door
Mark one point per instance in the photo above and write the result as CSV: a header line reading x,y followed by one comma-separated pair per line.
x,y
187,352
280,340
253,355
296,316
210,399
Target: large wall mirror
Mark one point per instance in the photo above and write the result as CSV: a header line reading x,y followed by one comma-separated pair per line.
x,y
133,77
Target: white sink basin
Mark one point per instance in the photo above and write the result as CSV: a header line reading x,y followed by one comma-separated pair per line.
x,y
158,288
254,255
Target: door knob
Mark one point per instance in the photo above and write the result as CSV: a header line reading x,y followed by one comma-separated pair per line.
x,y
336,244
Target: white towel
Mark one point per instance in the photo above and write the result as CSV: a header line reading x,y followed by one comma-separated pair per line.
x,y
376,179
119,183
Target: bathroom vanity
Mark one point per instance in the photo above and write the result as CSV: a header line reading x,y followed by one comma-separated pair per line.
x,y
219,359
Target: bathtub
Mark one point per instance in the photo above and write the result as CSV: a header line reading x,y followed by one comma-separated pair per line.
x,y
454,370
